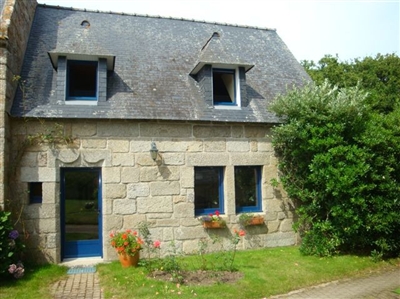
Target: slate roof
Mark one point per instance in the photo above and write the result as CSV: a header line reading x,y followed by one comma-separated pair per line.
x,y
154,58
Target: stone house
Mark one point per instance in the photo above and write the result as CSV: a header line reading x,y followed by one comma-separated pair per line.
x,y
111,119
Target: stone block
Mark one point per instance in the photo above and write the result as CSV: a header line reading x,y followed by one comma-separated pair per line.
x,y
167,222
118,146
189,233
52,241
38,174
94,143
111,175
159,204
129,175
200,131
66,155
138,190
273,205
155,216
237,131
173,159
113,191
280,239
51,193
124,206
117,129
82,129
41,211
257,131
215,145
123,159
183,210
160,173
249,158
273,226
132,221
286,225
145,159
238,146
208,159
112,223
164,188
97,156
187,177
165,130
265,146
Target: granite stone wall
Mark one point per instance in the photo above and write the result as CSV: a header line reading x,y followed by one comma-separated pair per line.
x,y
135,188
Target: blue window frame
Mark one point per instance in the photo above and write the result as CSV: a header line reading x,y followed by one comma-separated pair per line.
x,y
248,188
35,192
81,80
208,190
224,87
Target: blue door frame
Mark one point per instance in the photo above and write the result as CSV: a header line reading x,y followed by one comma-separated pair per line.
x,y
81,217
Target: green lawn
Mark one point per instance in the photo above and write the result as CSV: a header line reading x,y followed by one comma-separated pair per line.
x,y
36,282
266,272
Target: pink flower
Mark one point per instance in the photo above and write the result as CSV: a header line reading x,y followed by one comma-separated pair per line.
x,y
156,244
217,213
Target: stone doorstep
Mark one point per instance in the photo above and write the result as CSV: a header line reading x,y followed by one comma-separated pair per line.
x,y
76,262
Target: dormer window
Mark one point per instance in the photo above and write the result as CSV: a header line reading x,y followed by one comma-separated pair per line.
x,y
224,87
82,80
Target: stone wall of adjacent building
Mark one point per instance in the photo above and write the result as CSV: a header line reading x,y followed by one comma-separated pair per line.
x,y
135,188
15,23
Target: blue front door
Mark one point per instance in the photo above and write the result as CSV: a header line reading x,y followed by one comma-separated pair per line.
x,y
81,215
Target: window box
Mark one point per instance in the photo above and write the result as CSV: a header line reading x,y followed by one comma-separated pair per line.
x,y
212,221
250,220
213,224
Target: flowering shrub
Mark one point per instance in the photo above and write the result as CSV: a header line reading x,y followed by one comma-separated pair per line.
x,y
11,248
212,218
127,242
16,270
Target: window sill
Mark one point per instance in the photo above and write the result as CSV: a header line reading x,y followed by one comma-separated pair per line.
x,y
81,102
227,107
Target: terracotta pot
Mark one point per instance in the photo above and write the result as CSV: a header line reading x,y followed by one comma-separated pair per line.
x,y
129,260
213,224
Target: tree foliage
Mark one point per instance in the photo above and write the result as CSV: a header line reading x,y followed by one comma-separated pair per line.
x,y
338,155
380,76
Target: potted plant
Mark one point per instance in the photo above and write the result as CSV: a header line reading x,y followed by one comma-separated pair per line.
x,y
248,219
212,220
127,244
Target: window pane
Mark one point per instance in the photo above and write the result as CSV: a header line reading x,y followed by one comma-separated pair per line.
x,y
247,186
207,189
82,79
223,86
35,192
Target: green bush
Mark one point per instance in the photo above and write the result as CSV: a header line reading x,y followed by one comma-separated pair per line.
x,y
339,162
10,248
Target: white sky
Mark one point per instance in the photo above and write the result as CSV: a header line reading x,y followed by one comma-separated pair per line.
x,y
351,29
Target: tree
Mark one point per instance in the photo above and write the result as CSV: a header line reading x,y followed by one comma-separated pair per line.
x,y
380,76
339,162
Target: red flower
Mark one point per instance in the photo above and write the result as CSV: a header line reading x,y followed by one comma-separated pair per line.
x,y
217,213
113,243
156,244
135,233
128,231
126,243
242,233
124,236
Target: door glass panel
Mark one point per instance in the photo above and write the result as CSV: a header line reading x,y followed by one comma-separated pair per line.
x,y
81,205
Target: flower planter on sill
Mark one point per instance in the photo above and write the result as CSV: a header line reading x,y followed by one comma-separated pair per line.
x,y
213,224
256,220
